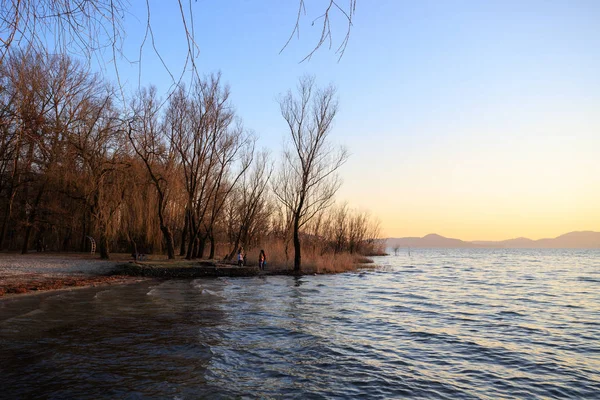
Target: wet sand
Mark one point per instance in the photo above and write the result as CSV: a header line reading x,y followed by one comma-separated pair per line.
x,y
50,271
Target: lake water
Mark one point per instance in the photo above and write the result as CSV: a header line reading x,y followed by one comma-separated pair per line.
x,y
481,324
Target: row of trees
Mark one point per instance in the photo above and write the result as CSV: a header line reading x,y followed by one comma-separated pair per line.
x,y
180,176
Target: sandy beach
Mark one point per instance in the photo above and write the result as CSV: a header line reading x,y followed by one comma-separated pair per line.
x,y
47,271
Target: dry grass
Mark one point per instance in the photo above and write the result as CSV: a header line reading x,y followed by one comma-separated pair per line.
x,y
313,262
312,259
358,259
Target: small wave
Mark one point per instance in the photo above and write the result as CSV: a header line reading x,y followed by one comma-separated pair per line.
x,y
309,290
26,315
588,279
510,313
101,293
468,303
589,323
208,292
413,271
414,296
403,309
32,313
467,331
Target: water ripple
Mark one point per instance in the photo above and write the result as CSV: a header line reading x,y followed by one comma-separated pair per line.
x,y
469,324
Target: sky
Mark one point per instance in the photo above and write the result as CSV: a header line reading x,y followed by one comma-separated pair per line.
x,y
471,119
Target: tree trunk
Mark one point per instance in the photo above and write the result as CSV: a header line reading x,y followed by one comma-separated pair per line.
x,y
67,239
201,247
83,233
25,247
211,256
195,248
169,241
190,248
7,214
168,236
135,251
235,247
297,255
184,234
104,247
31,220
193,229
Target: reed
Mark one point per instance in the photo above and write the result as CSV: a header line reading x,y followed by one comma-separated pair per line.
x,y
314,259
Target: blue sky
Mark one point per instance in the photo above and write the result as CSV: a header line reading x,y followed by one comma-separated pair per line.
x,y
471,119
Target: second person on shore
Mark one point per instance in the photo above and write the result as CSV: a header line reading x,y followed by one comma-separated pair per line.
x,y
241,257
262,260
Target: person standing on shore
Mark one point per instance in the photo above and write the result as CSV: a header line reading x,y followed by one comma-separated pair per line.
x,y
241,257
262,260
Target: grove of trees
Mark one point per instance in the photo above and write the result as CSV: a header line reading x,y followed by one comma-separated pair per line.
x,y
179,176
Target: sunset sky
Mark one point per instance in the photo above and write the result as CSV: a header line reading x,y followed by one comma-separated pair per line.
x,y
470,119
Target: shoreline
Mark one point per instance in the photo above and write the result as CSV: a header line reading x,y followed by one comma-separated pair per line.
x,y
44,272
67,283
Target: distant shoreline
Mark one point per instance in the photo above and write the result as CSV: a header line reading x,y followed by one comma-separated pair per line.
x,y
572,240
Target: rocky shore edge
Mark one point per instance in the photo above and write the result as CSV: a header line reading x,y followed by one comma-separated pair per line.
x,y
190,270
44,284
37,273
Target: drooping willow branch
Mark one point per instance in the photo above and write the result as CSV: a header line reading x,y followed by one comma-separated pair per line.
x,y
92,29
326,34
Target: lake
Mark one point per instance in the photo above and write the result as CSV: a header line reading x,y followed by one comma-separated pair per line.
x,y
435,323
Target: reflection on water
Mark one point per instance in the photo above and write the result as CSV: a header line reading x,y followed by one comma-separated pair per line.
x,y
436,324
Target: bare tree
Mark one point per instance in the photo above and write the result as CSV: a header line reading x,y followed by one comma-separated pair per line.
x,y
101,154
11,142
338,225
146,138
94,28
210,145
46,93
71,27
307,181
329,7
349,230
249,207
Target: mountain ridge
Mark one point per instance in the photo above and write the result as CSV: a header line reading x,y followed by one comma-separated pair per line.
x,y
570,240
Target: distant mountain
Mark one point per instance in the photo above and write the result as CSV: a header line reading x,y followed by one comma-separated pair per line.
x,y
432,240
521,242
571,240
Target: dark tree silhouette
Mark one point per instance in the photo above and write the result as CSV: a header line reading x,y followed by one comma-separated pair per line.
x,y
308,181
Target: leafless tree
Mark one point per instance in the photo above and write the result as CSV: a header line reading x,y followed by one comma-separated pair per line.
x,y
328,8
11,142
46,94
307,181
147,139
94,29
249,208
82,27
339,227
61,122
101,154
214,152
348,230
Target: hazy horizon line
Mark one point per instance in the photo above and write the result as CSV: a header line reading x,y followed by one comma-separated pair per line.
x,y
492,240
